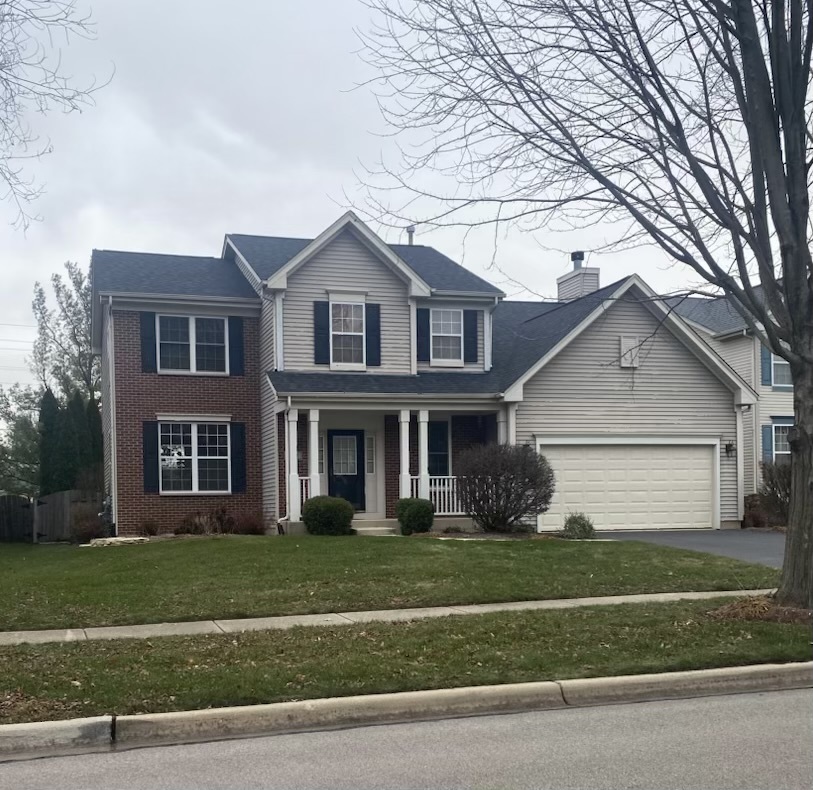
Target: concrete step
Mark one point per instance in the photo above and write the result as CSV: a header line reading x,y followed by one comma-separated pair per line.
x,y
368,528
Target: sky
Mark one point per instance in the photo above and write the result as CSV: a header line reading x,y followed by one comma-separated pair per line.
x,y
246,117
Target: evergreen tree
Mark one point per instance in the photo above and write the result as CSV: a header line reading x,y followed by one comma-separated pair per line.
x,y
49,419
77,412
66,452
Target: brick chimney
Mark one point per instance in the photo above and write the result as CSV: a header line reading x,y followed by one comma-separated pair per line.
x,y
580,282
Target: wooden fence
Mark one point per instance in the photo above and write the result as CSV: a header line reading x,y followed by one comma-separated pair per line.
x,y
16,518
54,513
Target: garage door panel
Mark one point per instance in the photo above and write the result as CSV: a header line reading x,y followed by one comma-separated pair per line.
x,y
633,486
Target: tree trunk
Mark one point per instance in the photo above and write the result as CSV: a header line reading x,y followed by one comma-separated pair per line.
x,y
796,584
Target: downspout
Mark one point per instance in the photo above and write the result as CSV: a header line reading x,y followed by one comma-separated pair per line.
x,y
114,486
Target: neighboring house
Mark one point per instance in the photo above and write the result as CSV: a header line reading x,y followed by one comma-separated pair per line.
x,y
286,368
767,423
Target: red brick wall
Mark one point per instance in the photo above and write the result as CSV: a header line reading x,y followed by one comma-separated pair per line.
x,y
140,396
301,452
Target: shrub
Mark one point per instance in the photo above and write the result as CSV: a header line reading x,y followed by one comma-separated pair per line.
x,y
149,528
414,515
775,490
755,516
578,526
249,524
500,486
328,515
86,524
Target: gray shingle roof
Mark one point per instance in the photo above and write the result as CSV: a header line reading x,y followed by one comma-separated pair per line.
x,y
268,254
718,315
113,271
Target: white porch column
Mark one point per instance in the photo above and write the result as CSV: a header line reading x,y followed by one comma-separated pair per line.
x,y
403,478
502,426
511,423
313,451
423,453
294,494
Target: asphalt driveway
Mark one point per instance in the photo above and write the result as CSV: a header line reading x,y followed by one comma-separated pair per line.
x,y
752,545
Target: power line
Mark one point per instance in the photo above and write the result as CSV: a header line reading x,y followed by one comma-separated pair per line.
x,y
15,340
25,326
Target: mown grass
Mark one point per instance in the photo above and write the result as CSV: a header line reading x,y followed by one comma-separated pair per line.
x,y
93,678
231,577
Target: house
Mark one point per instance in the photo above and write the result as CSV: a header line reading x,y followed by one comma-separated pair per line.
x,y
767,423
285,368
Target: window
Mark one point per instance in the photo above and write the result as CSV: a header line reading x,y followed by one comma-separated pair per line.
x,y
347,334
781,445
438,448
780,369
447,337
630,348
370,454
194,457
179,335
344,455
321,458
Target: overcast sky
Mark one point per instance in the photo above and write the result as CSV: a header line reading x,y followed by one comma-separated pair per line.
x,y
229,118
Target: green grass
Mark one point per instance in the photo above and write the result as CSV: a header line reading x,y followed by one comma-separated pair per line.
x,y
173,673
231,577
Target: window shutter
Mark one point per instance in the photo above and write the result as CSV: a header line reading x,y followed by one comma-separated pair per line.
x,y
237,363
470,336
149,443
238,457
321,333
148,359
767,372
372,329
767,443
423,334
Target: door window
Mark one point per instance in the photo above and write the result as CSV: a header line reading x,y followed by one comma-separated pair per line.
x,y
344,455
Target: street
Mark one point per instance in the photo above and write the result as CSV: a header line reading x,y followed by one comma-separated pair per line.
x,y
740,741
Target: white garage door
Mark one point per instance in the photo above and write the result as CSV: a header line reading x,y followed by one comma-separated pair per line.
x,y
633,486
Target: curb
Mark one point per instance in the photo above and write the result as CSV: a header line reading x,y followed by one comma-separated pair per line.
x,y
106,733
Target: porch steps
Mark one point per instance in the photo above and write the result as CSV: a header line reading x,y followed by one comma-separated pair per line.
x,y
370,528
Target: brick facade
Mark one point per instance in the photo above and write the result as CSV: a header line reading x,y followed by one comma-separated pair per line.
x,y
140,396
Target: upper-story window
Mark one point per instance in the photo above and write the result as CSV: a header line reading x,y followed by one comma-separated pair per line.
x,y
780,369
347,335
193,344
447,337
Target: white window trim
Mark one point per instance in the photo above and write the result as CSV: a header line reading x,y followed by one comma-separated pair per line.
x,y
777,360
445,363
356,301
193,361
774,453
195,489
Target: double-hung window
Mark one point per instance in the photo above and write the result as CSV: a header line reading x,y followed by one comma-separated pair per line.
x,y
195,345
347,335
438,440
781,445
194,457
780,371
447,337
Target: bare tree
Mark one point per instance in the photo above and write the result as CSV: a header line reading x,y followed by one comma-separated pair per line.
x,y
683,123
32,81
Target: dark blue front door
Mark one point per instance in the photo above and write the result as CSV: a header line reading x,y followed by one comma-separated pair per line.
x,y
345,466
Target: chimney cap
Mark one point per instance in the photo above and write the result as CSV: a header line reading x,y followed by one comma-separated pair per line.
x,y
577,258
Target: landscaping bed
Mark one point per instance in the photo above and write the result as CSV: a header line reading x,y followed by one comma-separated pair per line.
x,y
177,673
237,576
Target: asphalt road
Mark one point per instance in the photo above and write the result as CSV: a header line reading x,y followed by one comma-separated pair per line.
x,y
752,545
741,741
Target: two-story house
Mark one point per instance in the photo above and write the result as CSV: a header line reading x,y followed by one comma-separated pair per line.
x,y
285,368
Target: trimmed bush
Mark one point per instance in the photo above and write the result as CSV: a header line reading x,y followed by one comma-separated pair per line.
x,y
328,515
414,515
249,524
578,526
149,528
86,524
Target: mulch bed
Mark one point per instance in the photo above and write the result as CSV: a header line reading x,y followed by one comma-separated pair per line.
x,y
762,607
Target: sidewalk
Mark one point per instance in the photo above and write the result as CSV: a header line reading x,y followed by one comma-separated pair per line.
x,y
341,618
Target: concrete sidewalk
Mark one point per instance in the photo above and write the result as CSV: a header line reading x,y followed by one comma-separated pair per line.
x,y
151,630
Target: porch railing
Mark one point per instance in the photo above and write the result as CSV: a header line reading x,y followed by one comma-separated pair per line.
x,y
442,494
304,489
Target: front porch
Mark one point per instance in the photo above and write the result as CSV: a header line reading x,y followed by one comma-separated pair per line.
x,y
374,457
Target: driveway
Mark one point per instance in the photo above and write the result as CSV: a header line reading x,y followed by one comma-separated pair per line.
x,y
752,545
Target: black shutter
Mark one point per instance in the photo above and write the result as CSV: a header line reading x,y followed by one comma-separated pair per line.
x,y
238,457
148,360
321,333
372,328
150,449
237,365
470,336
423,339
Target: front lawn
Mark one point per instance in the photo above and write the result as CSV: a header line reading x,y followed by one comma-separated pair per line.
x,y
231,577
176,673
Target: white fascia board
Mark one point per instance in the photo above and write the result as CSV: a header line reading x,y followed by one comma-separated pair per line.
x,y
235,305
479,295
227,242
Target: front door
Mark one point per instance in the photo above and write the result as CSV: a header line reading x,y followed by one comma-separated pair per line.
x,y
345,466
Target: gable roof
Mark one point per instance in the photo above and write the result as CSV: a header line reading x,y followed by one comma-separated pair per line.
x,y
718,315
117,272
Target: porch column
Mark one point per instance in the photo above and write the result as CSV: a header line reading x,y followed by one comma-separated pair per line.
x,y
403,478
294,494
502,426
423,453
511,423
313,451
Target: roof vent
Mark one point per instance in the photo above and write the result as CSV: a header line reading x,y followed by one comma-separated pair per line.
x,y
581,281
410,234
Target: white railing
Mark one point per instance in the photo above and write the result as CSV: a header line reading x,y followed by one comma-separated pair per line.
x,y
304,489
442,493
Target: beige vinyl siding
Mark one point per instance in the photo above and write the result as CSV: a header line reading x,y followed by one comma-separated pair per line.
x,y
268,417
584,391
346,264
107,399
479,365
